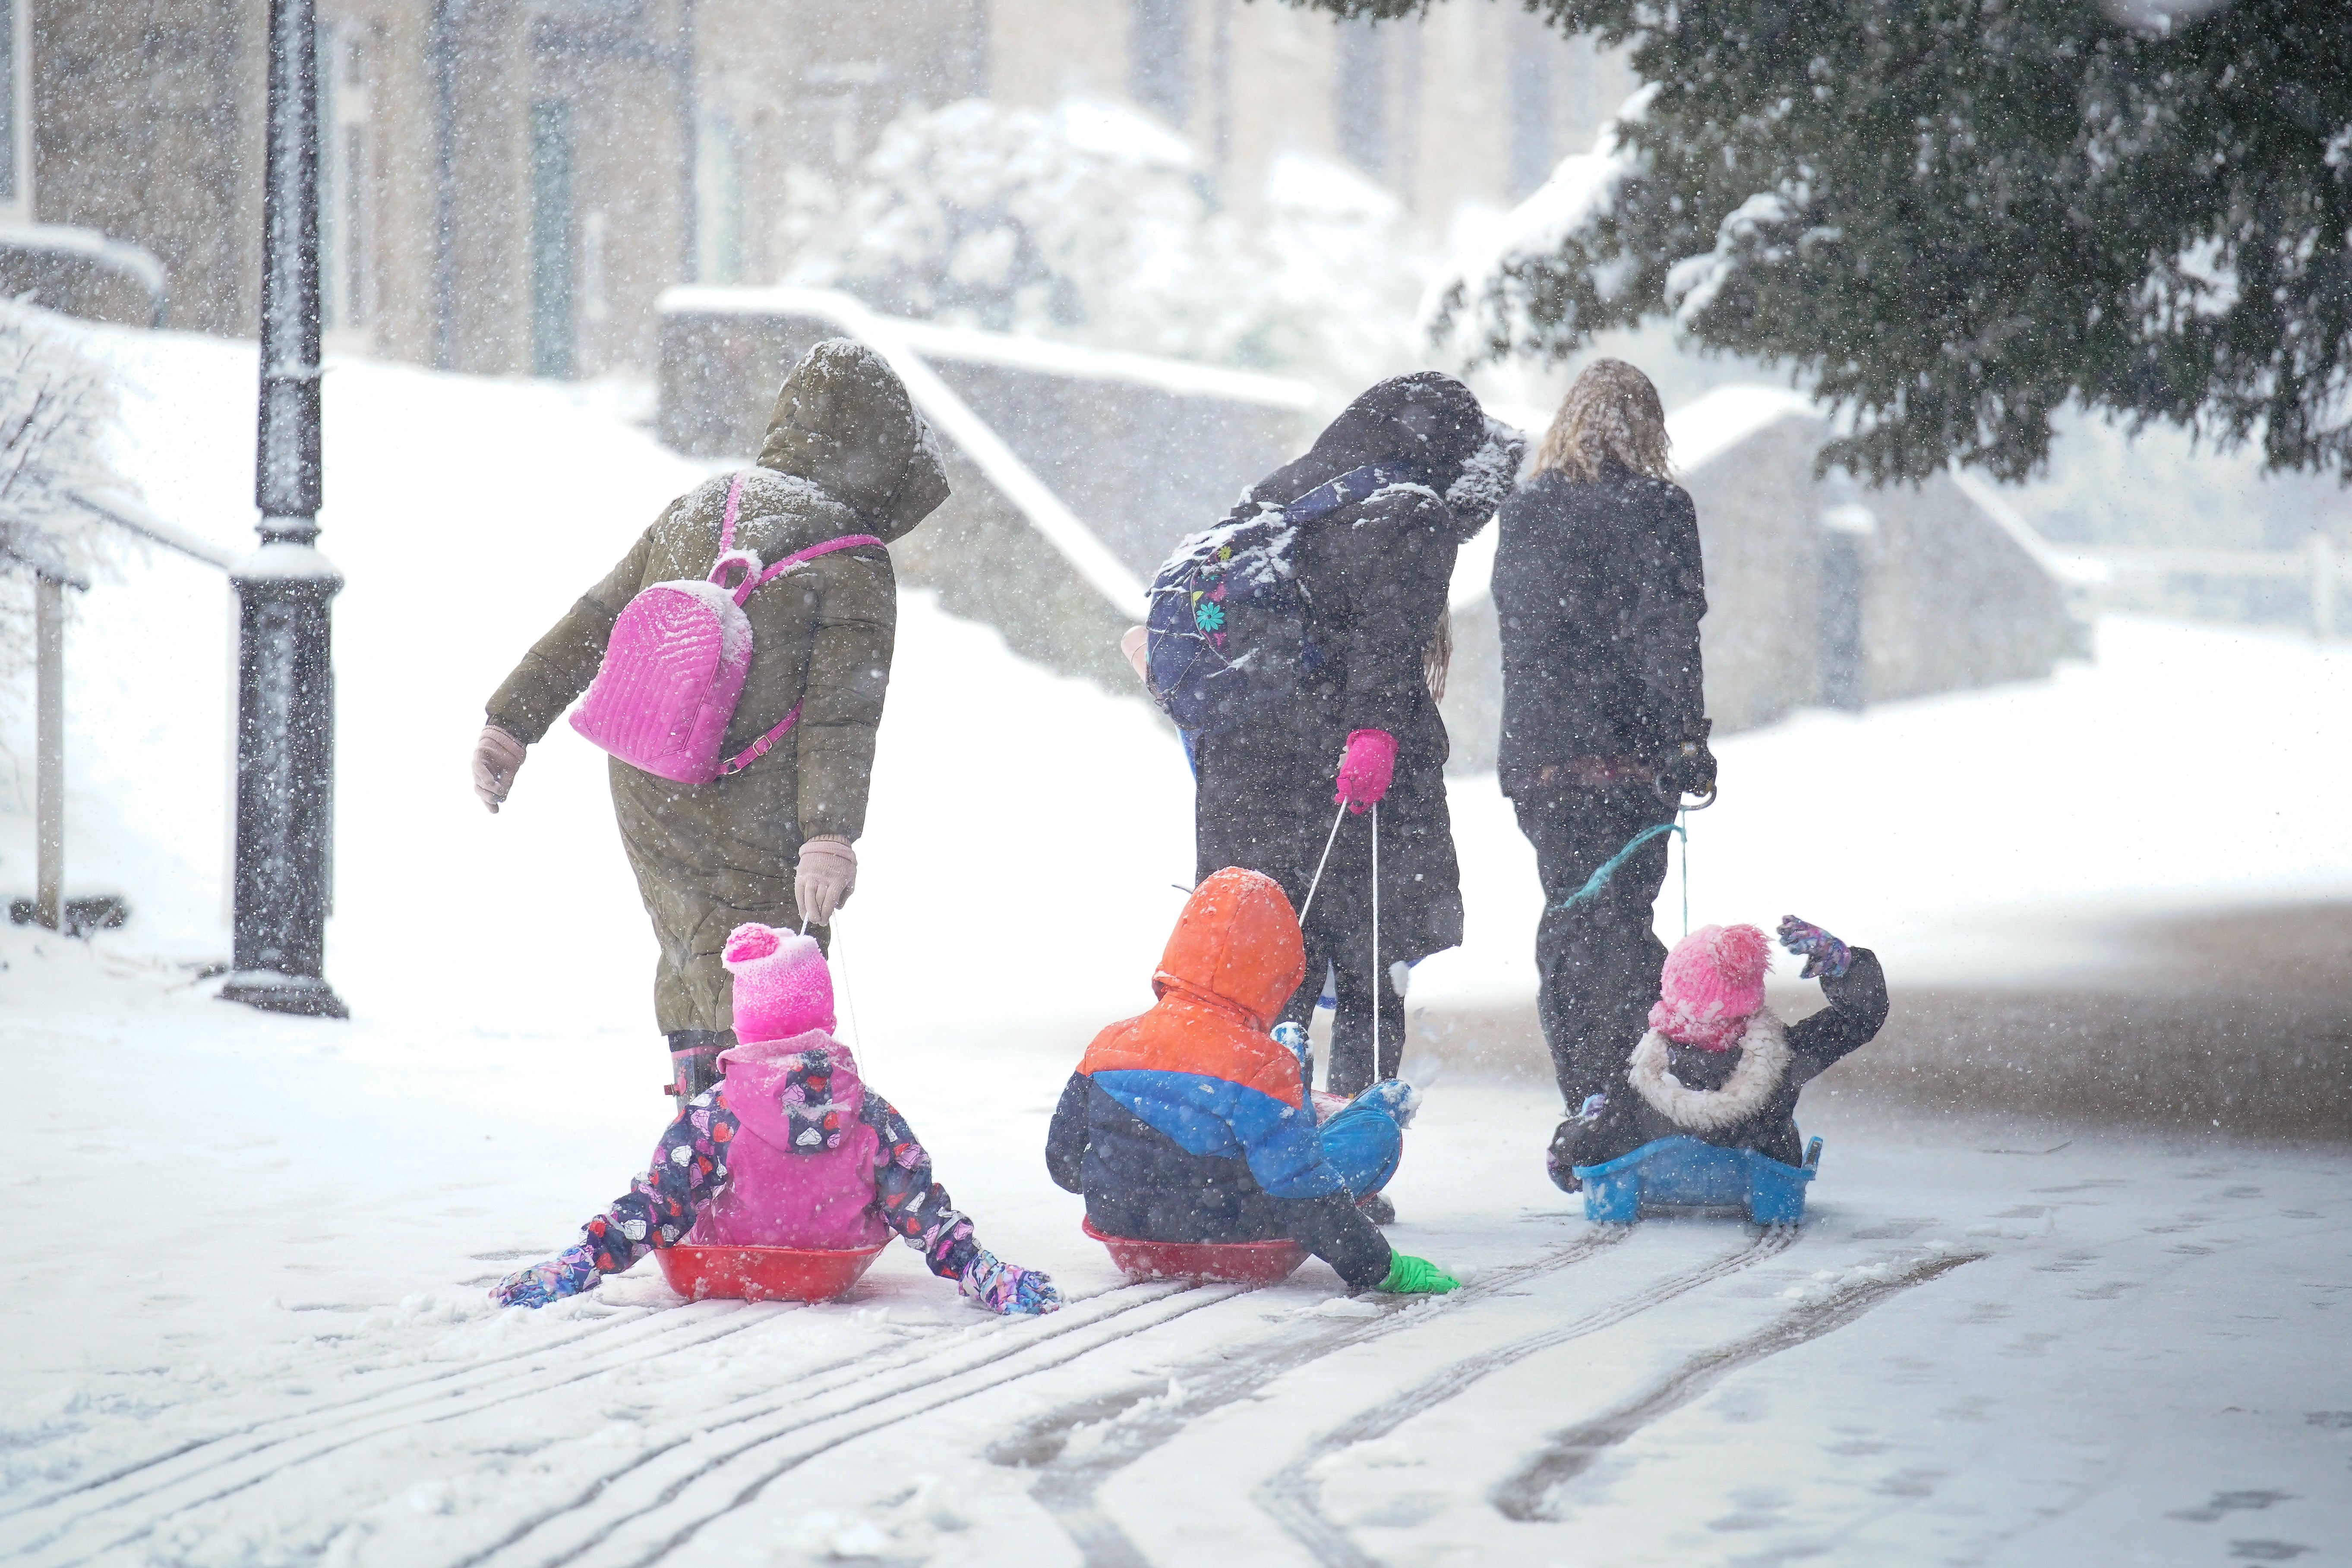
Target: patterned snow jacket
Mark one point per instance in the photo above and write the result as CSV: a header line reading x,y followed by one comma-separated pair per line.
x,y
1190,1123
1745,1098
691,1167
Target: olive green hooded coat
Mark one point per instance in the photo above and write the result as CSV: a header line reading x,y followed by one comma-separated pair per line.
x,y
845,453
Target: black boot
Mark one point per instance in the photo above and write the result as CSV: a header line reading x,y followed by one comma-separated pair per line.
x,y
694,1060
1565,1155
1378,1209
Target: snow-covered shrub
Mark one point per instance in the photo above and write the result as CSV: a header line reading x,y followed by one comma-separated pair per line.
x,y
1092,224
56,412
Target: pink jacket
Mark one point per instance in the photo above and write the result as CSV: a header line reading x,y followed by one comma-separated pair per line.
x,y
800,1172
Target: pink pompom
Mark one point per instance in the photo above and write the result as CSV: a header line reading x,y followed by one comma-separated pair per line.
x,y
749,942
1742,955
1713,982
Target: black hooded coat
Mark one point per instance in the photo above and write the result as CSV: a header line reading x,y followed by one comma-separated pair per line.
x,y
1373,575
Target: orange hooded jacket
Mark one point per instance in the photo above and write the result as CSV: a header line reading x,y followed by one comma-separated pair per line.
x,y
1200,1066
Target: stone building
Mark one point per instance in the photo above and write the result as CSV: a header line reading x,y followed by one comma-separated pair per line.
x,y
507,185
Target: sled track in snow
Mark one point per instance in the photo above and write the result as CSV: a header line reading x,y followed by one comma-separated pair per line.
x,y
1293,1497
660,1501
248,1456
609,1330
97,1517
1134,1423
1534,1492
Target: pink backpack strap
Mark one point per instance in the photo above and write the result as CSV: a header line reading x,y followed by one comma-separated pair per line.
x,y
846,542
760,747
734,505
765,743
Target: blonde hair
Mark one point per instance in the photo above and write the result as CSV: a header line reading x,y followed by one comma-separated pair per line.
x,y
1610,415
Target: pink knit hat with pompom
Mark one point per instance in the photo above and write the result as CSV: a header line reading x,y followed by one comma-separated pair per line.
x,y
782,986
1712,984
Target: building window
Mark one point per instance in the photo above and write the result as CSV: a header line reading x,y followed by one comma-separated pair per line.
x,y
346,158
718,200
553,240
1359,97
1527,71
594,306
1160,57
15,110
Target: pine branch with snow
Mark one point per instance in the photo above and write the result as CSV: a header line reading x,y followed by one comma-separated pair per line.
x,y
1955,221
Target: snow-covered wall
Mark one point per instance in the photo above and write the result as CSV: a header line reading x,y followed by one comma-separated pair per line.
x,y
1142,451
1818,592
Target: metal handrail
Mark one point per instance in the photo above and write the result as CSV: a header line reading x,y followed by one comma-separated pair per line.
x,y
128,512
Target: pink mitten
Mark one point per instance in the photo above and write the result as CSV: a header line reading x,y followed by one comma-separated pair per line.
x,y
1365,772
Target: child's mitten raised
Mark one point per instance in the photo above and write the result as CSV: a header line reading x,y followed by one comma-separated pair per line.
x,y
1825,954
1411,1276
1006,1288
567,1273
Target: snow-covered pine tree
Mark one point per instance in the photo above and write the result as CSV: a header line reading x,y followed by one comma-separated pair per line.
x,y
57,410
1952,216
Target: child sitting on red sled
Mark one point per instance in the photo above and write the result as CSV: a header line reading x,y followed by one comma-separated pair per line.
x,y
1716,1065
1190,1124
789,1149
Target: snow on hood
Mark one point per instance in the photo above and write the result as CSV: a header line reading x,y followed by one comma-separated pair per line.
x,y
1487,479
1237,942
843,422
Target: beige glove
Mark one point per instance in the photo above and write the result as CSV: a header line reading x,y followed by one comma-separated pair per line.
x,y
497,757
1136,645
825,877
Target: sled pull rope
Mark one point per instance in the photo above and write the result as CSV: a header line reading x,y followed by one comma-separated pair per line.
x,y
1332,838
1600,879
848,997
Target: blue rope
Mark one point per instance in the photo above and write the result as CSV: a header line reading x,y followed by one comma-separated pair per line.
x,y
1600,879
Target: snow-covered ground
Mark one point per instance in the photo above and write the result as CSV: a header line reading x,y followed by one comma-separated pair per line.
x,y
244,1317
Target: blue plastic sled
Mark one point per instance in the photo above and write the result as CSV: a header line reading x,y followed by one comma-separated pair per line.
x,y
1677,1174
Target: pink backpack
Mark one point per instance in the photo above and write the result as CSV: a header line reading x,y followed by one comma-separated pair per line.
x,y
674,667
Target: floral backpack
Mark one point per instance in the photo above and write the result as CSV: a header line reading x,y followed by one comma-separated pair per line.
x,y
1228,625
674,667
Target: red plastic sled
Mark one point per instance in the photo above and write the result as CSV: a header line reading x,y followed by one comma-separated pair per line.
x,y
1229,1262
763,1273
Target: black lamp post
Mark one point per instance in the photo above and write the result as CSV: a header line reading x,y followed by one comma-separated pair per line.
x,y
285,692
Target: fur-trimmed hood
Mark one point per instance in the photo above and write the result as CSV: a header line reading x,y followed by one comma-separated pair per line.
x,y
1763,1065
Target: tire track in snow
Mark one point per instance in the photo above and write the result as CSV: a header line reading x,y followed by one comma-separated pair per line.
x,y
667,1338
1534,1492
1293,1496
1133,1424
